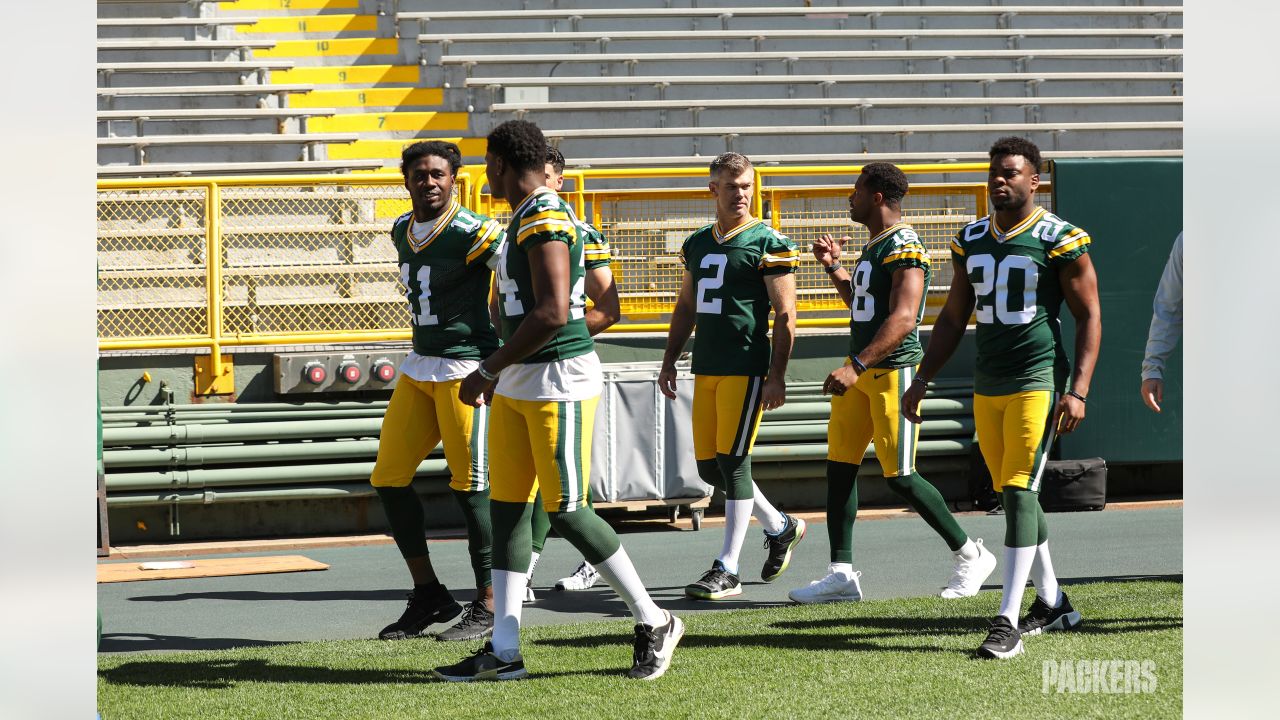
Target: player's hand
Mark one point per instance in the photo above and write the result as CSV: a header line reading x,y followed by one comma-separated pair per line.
x,y
826,250
1070,412
840,380
475,389
911,402
667,381
774,393
1153,393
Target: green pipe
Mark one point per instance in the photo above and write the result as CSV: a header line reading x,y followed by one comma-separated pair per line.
x,y
201,434
221,477
196,456
240,407
208,497
816,470
822,408
817,432
194,419
818,451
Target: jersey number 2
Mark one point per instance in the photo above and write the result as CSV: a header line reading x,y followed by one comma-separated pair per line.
x,y
711,306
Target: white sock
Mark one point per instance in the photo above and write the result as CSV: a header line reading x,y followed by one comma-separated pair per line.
x,y
737,515
1017,568
1043,578
508,599
773,521
618,571
969,551
533,563
844,570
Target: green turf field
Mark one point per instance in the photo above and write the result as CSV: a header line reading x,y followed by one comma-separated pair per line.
x,y
902,658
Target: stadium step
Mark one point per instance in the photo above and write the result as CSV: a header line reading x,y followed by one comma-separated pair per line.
x,y
307,24
389,150
347,75
237,6
389,98
341,47
391,122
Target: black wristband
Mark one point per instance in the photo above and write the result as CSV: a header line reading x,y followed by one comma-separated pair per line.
x,y
1077,396
858,364
833,267
918,379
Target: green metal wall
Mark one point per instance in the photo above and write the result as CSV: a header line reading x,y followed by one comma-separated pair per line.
x,y
1133,211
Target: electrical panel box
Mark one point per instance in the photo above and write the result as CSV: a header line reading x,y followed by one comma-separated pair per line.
x,y
306,373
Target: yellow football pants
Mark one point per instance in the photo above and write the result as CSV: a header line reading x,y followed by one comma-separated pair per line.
x,y
726,414
544,440
419,416
1015,433
871,412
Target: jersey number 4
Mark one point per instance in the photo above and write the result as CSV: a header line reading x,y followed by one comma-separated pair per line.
x,y
422,315
991,287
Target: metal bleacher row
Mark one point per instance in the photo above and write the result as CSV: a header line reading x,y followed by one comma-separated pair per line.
x,y
233,86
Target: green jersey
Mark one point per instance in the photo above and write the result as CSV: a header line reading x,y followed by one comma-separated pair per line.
x,y
896,248
733,306
544,217
595,248
445,271
1015,282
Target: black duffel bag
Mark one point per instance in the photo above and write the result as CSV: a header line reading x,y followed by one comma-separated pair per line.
x,y
1074,485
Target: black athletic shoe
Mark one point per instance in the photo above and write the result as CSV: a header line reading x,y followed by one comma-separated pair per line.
x,y
437,607
715,584
780,547
483,665
653,647
1003,641
1042,618
476,622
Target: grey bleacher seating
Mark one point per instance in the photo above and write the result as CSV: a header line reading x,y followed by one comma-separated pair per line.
x,y
775,79
300,167
141,150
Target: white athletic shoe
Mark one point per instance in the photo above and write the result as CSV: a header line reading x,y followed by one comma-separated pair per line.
x,y
528,594
835,587
581,579
968,576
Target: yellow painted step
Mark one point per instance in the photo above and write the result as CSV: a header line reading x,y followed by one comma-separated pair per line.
x,y
339,75
291,5
389,122
312,23
330,48
369,97
389,150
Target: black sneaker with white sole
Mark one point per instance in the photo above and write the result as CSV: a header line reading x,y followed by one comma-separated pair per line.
x,y
425,607
779,548
1042,618
476,622
1003,641
483,665
653,647
714,584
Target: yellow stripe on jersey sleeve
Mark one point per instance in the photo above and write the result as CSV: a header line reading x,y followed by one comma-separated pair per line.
x,y
489,238
1063,249
955,248
790,258
545,226
913,253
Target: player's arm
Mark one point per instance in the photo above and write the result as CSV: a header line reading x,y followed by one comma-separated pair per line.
x,y
948,331
826,250
606,308
782,295
683,318
549,272
1079,283
904,304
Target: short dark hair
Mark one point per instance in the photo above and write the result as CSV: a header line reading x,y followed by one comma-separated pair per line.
x,y
555,159
520,144
1017,146
735,163
439,148
886,179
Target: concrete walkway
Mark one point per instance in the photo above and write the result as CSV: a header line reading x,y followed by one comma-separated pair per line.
x,y
365,586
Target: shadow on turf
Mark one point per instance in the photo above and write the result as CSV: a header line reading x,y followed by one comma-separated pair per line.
x,y
605,602
259,595
147,642
221,674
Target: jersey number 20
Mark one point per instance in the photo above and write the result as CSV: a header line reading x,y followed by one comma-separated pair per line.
x,y
991,288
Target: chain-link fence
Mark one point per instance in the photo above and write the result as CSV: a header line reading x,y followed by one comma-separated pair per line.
x,y
312,260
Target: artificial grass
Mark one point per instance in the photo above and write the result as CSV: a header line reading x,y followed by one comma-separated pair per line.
x,y
899,658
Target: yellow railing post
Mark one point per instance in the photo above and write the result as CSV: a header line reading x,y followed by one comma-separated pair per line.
x,y
757,194
213,263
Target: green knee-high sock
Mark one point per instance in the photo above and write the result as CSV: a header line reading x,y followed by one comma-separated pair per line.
x,y
1021,517
541,524
925,499
736,471
587,532
709,471
404,515
475,510
511,538
1042,525
842,509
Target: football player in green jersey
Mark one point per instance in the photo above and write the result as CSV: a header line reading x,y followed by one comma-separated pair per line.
x,y
604,311
736,269
885,291
548,381
1013,270
446,255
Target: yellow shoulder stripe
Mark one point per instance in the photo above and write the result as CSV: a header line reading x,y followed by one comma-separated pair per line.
x,y
955,248
1064,249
